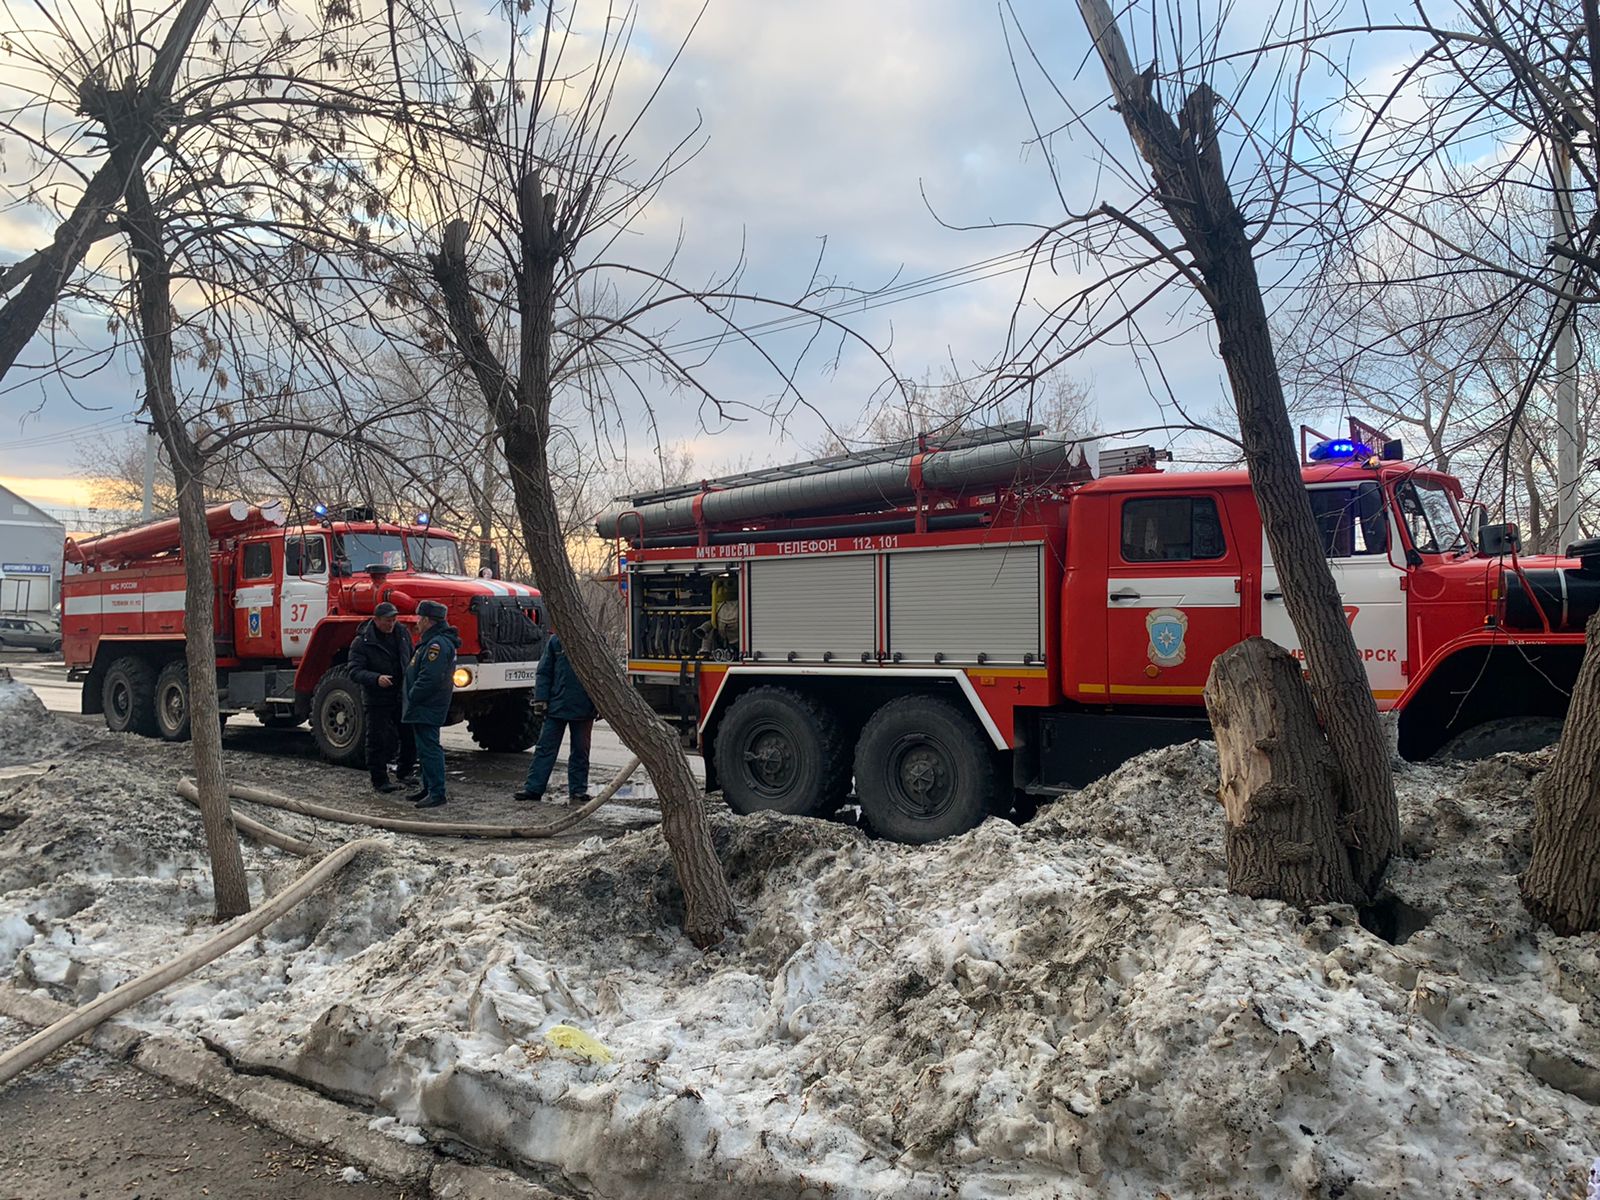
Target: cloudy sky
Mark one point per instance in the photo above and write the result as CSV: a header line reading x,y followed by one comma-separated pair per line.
x,y
892,133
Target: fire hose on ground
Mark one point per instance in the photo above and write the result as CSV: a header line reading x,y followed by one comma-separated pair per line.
x,y
322,812
50,1039
73,1026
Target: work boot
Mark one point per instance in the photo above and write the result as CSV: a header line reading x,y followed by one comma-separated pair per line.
x,y
407,775
528,797
579,800
384,787
417,796
430,802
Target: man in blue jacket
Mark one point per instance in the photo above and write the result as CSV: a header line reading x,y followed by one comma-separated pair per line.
x,y
429,684
559,694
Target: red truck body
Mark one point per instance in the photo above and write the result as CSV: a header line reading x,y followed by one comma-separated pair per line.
x,y
289,600
1069,620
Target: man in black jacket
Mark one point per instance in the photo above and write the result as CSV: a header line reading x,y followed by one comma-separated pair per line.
x,y
378,660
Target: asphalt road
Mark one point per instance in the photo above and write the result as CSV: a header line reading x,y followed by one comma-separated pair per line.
x,y
47,677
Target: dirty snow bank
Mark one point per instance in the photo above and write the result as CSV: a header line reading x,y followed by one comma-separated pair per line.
x,y
1072,1009
28,733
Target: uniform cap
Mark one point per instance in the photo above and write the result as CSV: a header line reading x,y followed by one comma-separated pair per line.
x,y
432,608
386,610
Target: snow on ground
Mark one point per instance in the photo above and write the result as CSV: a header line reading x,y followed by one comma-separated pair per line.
x,y
1073,1008
28,732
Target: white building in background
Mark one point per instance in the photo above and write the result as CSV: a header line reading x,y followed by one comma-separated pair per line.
x,y
31,541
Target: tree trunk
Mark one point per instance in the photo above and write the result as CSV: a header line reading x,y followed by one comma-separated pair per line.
x,y
153,284
1185,162
1562,883
1280,785
521,409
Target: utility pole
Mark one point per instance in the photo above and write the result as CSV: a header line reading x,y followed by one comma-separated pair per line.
x,y
1569,431
149,470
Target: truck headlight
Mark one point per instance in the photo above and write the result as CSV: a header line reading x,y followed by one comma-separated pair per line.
x,y
462,678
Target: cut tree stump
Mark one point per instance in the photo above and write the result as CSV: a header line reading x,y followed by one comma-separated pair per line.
x,y
1561,886
1281,785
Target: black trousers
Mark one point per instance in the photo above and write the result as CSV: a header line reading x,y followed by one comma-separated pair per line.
x,y
385,735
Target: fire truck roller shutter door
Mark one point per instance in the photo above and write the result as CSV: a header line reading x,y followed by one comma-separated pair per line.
x,y
962,603
813,605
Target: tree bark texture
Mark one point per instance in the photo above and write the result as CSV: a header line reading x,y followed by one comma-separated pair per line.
x,y
1280,784
1562,883
521,407
134,122
153,286
1186,166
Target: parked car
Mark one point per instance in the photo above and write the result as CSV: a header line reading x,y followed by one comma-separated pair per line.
x,y
29,633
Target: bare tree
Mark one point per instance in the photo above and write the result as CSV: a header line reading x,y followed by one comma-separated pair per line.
x,y
548,171
227,288
1182,225
1524,81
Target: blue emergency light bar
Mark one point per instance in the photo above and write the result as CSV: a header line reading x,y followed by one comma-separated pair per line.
x,y
422,518
319,510
1339,448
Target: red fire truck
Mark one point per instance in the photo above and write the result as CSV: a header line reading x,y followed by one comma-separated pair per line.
x,y
290,598
946,629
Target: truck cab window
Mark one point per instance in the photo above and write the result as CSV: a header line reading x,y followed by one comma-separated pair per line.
x,y
1171,529
258,560
1430,517
1353,521
305,556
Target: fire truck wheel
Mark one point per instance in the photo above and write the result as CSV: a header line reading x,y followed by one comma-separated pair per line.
x,y
172,701
924,771
128,696
337,718
779,751
508,726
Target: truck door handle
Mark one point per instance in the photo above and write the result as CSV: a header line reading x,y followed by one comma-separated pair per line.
x,y
1272,595
1123,594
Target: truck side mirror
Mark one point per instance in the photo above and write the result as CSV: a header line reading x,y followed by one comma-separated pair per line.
x,y
1498,540
1477,519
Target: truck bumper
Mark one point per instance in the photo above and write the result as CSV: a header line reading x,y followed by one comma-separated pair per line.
x,y
494,677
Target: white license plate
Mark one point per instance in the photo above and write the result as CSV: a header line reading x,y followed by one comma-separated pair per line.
x,y
522,675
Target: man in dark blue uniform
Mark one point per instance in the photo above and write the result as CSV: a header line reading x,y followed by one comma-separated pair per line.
x,y
558,691
429,684
378,659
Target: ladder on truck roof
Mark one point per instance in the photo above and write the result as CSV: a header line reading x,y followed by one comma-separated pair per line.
x,y
1010,431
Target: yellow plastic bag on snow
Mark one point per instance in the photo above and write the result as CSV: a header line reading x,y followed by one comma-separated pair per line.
x,y
566,1037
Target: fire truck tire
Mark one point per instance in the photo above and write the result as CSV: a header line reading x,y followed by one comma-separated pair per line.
x,y
338,720
924,772
508,726
172,701
780,751
128,696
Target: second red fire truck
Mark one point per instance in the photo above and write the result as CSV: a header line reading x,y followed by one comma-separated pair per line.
x,y
937,630
289,599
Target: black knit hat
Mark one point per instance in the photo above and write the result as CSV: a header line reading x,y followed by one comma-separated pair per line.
x,y
386,610
432,608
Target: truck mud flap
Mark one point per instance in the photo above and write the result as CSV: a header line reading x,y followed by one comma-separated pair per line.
x,y
1076,748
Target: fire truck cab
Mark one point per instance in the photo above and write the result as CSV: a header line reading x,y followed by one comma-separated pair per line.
x,y
289,601
943,630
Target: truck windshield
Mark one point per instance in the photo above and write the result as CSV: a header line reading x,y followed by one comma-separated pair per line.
x,y
363,550
437,554
1430,516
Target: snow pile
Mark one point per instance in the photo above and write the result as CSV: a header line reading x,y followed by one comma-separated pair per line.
x,y
1074,1008
28,733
